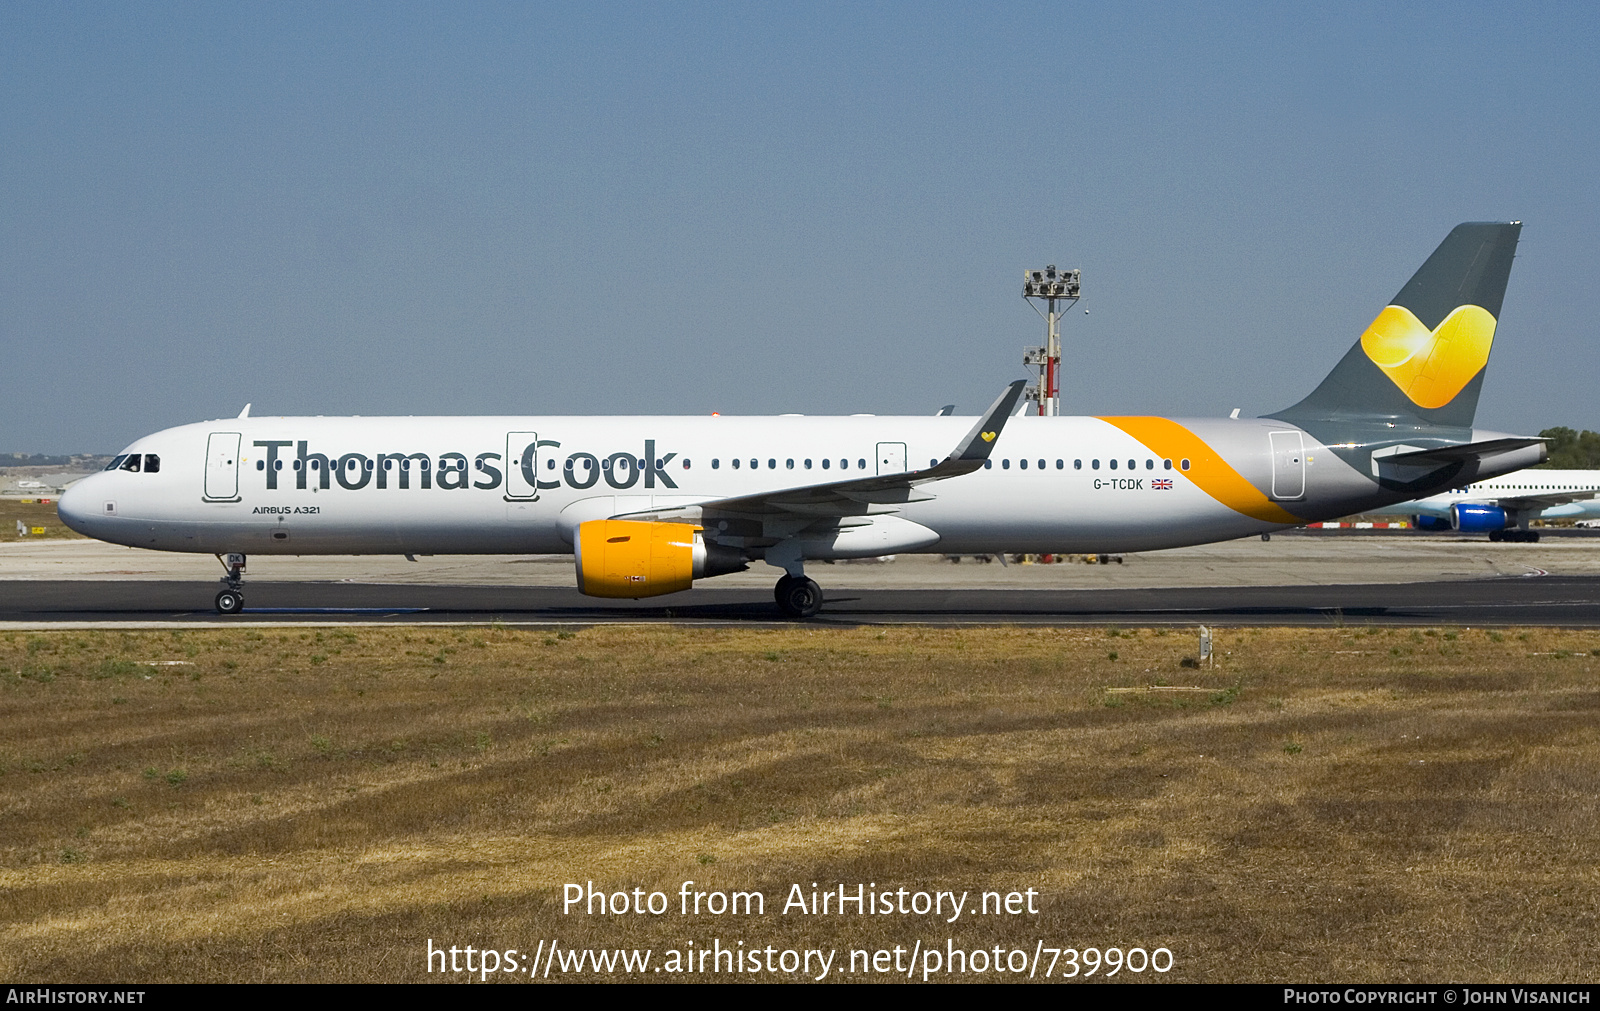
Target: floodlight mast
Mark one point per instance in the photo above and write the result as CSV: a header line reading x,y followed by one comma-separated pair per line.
x,y
1053,287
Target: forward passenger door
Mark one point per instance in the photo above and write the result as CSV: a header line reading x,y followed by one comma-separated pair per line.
x,y
222,467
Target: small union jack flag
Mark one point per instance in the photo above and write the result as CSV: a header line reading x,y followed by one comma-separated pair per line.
x,y
1162,484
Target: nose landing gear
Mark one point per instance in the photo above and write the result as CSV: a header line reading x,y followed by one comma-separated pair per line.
x,y
231,600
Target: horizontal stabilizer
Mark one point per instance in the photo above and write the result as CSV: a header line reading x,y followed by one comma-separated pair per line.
x,y
1464,452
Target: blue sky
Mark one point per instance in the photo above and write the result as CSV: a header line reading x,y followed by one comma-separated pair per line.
x,y
817,208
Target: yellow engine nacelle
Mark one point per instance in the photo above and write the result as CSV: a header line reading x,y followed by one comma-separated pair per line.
x,y
630,558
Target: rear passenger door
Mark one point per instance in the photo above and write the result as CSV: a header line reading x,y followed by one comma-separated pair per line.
x,y
1288,466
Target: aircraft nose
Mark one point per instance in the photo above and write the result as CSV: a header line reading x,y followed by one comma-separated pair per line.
x,y
76,506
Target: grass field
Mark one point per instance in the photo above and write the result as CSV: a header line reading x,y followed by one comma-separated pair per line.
x,y
35,515
299,804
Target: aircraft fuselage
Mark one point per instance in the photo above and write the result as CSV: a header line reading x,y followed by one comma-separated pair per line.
x,y
522,484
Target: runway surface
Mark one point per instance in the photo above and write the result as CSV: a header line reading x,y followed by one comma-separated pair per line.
x,y
1570,601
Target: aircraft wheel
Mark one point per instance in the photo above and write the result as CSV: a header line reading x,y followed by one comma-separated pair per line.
x,y
784,582
1533,537
801,598
1497,535
229,602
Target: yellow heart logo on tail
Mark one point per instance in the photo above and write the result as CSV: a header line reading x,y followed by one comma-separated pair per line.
x,y
987,436
1430,367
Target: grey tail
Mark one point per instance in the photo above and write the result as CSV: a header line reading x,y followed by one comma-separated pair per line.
x,y
1421,363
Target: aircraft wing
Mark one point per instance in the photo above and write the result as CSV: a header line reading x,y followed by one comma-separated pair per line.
x,y
1549,501
859,496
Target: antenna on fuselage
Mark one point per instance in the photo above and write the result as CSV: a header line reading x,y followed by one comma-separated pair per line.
x,y
1051,286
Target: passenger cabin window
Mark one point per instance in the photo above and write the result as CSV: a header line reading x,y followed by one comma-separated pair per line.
x,y
1184,465
862,464
1061,465
1166,464
988,464
1023,464
735,462
1077,465
1005,464
1149,465
1041,464
686,463
1094,464
1113,465
1133,464
826,464
808,463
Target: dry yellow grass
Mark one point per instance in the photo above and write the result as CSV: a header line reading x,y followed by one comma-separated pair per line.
x,y
40,516
314,805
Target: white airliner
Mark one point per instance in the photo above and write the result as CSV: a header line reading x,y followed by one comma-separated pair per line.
x,y
647,505
1503,506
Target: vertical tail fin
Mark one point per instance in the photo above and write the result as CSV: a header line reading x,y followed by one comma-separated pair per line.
x,y
1423,359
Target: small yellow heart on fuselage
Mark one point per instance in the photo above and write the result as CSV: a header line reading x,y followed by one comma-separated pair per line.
x,y
988,436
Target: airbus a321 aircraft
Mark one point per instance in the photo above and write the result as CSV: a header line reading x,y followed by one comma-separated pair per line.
x,y
647,505
1503,506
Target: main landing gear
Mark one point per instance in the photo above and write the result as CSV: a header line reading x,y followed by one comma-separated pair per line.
x,y
798,596
1515,536
231,600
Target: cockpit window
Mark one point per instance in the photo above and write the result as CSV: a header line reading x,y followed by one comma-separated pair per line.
x,y
152,463
131,463
116,461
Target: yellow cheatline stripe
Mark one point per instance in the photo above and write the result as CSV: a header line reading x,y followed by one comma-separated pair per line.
x,y
1430,367
1207,469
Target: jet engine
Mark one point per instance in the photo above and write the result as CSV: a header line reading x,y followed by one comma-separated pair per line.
x,y
1477,519
632,558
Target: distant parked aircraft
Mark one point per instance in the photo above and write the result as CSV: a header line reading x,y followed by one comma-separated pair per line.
x,y
1503,506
